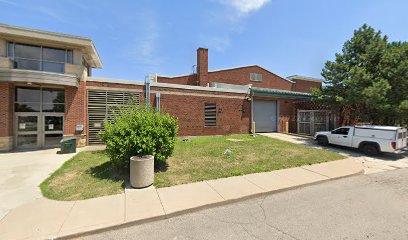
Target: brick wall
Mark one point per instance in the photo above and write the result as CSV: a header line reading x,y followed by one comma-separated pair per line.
x,y
6,109
305,86
233,111
287,115
75,112
238,76
241,76
185,80
202,67
6,116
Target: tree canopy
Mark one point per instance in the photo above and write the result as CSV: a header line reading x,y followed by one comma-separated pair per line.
x,y
368,80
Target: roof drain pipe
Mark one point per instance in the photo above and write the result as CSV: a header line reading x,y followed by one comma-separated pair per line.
x,y
253,127
147,83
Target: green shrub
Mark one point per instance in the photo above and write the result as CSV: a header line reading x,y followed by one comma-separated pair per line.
x,y
137,131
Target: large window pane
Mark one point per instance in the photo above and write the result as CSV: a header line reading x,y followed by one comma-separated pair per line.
x,y
52,139
28,94
27,107
27,51
53,95
70,57
53,123
53,54
27,64
29,140
27,123
49,107
53,67
10,49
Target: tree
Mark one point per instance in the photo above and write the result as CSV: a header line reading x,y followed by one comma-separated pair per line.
x,y
368,80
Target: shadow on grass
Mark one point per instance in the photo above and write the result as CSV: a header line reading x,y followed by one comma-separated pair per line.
x,y
107,171
160,166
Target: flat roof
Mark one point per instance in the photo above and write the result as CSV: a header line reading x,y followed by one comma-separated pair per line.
x,y
14,33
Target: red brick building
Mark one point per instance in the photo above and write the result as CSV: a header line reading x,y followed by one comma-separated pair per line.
x,y
47,92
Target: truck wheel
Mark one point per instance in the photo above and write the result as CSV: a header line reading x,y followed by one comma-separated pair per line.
x,y
370,150
322,141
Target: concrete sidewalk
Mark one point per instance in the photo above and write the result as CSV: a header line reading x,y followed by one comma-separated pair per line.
x,y
383,162
49,219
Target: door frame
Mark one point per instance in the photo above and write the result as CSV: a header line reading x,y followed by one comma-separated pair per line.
x,y
274,123
40,128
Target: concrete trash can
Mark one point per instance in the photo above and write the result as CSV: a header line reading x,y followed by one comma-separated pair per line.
x,y
141,171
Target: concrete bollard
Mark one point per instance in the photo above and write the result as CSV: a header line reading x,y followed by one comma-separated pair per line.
x,y
141,171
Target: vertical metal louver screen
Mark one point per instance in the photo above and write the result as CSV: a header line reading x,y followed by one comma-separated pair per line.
x,y
210,113
101,105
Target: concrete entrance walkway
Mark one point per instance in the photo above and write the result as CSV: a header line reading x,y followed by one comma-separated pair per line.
x,y
48,219
22,172
383,162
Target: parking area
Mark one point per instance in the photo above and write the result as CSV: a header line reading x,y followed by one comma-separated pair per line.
x,y
21,173
383,162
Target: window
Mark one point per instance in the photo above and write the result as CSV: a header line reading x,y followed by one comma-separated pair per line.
x,y
52,100
255,77
39,58
27,99
37,100
341,131
210,113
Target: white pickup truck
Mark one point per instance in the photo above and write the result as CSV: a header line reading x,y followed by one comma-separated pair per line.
x,y
370,139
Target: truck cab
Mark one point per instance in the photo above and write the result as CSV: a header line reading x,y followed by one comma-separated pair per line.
x,y
370,139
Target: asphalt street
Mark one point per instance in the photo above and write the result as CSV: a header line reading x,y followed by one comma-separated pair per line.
x,y
373,206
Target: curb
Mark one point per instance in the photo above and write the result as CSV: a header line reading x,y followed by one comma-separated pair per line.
x,y
196,209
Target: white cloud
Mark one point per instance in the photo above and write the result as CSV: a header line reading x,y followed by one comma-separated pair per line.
x,y
218,43
244,7
144,47
47,12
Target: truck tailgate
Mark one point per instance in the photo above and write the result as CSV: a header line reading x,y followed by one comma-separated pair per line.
x,y
401,141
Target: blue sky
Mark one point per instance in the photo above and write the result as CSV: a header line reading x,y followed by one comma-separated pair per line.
x,y
135,38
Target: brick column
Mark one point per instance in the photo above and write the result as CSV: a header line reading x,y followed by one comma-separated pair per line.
x,y
75,114
6,116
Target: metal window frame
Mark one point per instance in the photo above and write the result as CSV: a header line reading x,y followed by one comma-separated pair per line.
x,y
41,60
257,77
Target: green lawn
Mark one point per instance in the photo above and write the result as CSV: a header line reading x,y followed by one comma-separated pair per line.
x,y
90,174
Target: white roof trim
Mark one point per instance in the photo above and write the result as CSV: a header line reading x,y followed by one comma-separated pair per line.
x,y
311,79
115,80
22,75
198,88
167,85
11,31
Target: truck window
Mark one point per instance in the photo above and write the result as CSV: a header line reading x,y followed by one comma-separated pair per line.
x,y
341,131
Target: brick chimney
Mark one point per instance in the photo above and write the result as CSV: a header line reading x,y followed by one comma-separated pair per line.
x,y
202,66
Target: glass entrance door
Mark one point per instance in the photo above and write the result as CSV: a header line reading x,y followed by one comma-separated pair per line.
x,y
27,130
39,116
52,129
39,129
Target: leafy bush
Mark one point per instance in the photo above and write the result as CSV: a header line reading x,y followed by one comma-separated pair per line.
x,y
137,131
